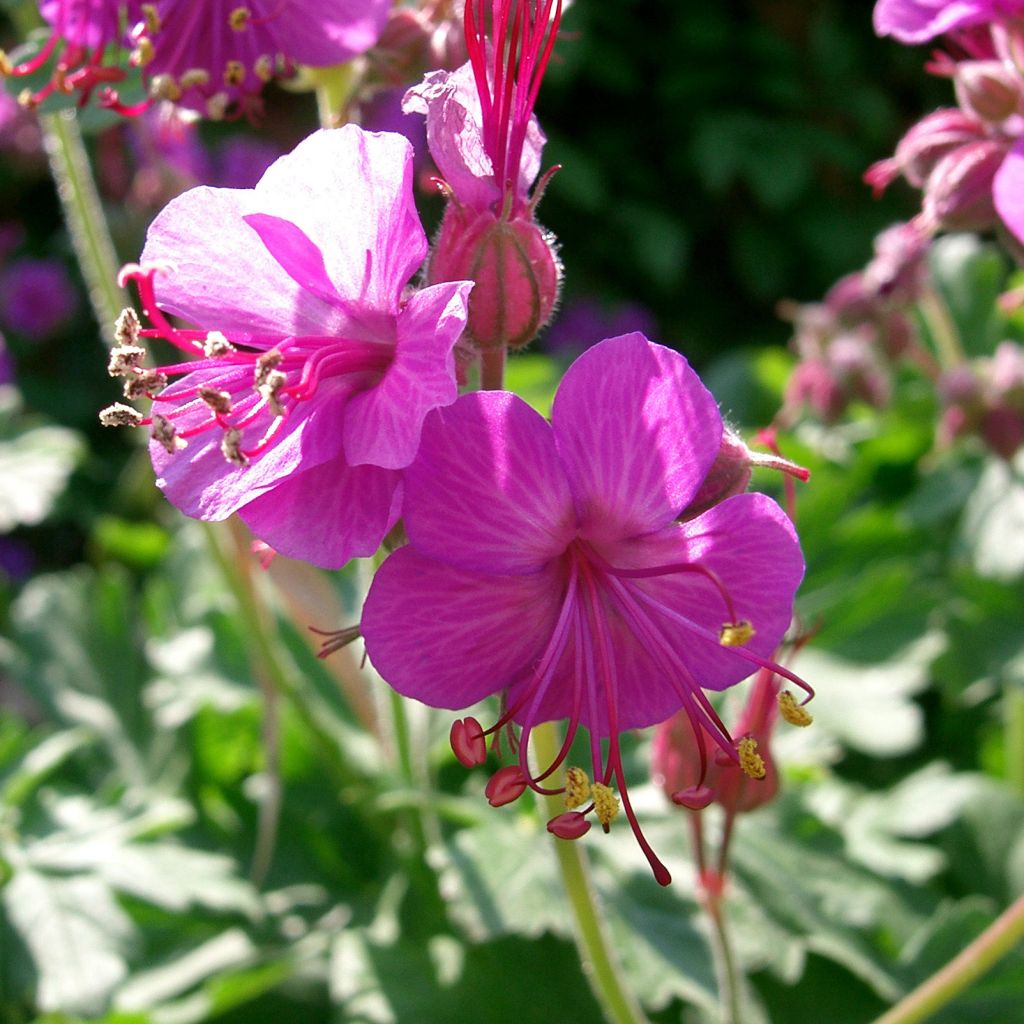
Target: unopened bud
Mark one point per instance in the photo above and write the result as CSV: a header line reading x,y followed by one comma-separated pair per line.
x,y
515,270
958,192
988,89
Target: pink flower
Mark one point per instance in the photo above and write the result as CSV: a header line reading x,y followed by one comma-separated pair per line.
x,y
545,563
917,21
315,369
487,144
213,56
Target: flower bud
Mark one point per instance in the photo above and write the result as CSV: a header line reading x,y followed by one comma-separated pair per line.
x,y
677,760
729,474
1002,429
924,145
515,269
988,89
958,192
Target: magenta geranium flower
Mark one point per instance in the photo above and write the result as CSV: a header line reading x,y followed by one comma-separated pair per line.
x,y
213,56
917,21
312,369
546,563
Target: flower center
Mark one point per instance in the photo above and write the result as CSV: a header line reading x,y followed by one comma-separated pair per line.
x,y
243,384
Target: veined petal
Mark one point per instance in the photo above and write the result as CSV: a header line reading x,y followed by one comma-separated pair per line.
x,y
637,432
350,192
222,276
450,102
449,637
749,544
487,492
325,32
327,514
383,424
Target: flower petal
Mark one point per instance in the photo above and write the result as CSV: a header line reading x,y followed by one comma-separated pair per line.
x,y
637,432
350,192
327,514
487,491
383,424
1008,190
749,544
917,21
449,637
326,32
222,276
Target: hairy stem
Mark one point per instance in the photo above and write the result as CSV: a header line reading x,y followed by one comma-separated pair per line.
x,y
599,965
83,212
941,988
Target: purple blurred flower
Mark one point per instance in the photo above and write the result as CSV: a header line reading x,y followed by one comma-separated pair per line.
x,y
545,562
584,320
316,369
212,56
37,297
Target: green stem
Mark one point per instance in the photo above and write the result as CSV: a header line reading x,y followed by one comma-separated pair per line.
x,y
602,971
83,212
265,652
725,963
941,988
942,328
1013,718
334,87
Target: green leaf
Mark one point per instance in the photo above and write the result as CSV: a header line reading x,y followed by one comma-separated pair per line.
x,y
75,934
992,530
35,465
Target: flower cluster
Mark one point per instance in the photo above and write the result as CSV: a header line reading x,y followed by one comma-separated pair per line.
x,y
967,160
606,568
210,56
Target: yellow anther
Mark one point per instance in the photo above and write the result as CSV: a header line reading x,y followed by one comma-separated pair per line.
x,y
6,67
151,17
264,67
144,52
577,787
164,87
27,100
795,714
751,761
238,19
234,72
606,803
195,76
271,388
735,634
217,106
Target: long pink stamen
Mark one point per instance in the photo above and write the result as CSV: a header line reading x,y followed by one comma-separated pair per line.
x,y
739,652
